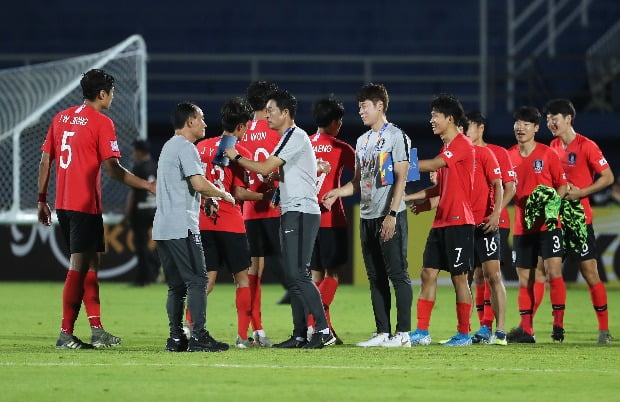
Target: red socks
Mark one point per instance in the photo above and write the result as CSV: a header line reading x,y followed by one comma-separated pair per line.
x,y
539,295
463,314
425,307
598,295
91,300
526,304
255,296
557,291
72,294
327,288
479,289
243,302
488,316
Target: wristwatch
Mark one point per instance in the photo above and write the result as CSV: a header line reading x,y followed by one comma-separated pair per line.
x,y
237,157
392,213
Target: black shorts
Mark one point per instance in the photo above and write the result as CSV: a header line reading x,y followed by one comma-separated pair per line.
x,y
263,236
589,249
82,232
331,249
225,250
504,247
528,247
450,248
486,247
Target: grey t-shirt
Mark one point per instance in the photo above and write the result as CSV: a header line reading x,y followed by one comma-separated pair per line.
x,y
375,198
298,173
178,204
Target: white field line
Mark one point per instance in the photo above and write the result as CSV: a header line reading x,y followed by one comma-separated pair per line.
x,y
286,367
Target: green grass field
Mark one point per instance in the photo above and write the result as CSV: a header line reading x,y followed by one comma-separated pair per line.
x,y
31,369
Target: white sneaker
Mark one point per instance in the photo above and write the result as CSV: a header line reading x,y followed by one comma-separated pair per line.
x,y
262,341
399,340
375,340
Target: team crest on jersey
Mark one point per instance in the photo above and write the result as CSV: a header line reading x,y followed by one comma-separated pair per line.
x,y
602,162
538,165
448,154
380,144
114,146
572,159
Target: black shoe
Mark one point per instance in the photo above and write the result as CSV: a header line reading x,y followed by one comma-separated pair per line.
x,y
291,343
319,340
67,341
177,344
286,298
557,334
206,343
338,340
521,337
515,332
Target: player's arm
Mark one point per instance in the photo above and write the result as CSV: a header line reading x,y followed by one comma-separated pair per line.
x,y
492,221
388,228
119,173
263,167
604,180
347,190
243,194
509,192
431,165
208,189
43,210
424,194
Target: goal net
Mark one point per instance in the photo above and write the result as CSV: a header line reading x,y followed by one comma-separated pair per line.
x,y
30,96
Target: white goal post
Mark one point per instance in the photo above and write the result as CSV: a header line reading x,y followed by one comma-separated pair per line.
x,y
31,95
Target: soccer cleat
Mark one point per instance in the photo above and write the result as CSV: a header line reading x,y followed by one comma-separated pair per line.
x,y
176,344
375,340
459,340
67,341
557,334
291,343
518,335
399,340
205,343
262,341
499,338
604,337
244,343
482,335
420,338
319,340
103,339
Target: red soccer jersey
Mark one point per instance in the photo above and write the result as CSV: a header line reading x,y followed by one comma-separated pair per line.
x,y
229,218
80,139
339,154
508,175
487,169
455,183
542,166
260,141
581,160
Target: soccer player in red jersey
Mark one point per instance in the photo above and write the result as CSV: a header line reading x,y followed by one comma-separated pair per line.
x,y
490,213
223,234
582,161
80,139
262,221
450,243
329,253
534,164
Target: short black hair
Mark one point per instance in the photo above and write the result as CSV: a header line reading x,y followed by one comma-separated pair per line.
x,y
476,116
95,80
257,94
463,122
374,93
285,100
562,106
235,111
141,145
182,112
448,105
326,110
527,113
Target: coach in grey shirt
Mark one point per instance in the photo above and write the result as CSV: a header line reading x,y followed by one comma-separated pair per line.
x,y
300,219
180,184
383,216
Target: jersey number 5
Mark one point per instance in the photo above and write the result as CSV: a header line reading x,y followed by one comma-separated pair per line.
x,y
64,163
